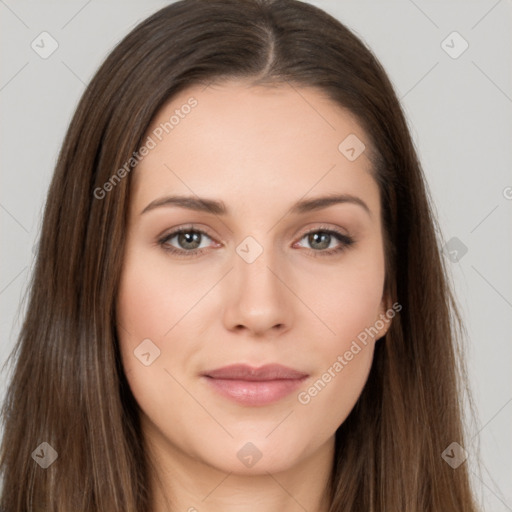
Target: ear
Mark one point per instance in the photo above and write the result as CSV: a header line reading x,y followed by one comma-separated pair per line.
x,y
386,314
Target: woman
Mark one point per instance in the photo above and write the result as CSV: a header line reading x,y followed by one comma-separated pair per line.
x,y
301,356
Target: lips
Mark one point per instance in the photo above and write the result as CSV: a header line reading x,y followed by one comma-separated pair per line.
x,y
252,386
246,372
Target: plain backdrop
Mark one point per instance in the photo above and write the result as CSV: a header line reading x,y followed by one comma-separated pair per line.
x,y
456,90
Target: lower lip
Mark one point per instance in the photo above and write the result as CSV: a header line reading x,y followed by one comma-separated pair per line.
x,y
255,392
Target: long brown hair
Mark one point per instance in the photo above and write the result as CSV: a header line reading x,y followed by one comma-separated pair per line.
x,y
68,387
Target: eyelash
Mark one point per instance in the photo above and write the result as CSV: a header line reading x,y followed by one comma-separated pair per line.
x,y
345,240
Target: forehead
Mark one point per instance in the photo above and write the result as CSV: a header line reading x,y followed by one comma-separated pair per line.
x,y
253,143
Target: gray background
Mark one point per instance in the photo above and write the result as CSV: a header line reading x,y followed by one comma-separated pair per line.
x,y
459,111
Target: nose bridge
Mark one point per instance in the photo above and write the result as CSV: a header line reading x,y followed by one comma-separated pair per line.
x,y
255,259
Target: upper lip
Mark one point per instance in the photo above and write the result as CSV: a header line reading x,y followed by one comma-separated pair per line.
x,y
251,373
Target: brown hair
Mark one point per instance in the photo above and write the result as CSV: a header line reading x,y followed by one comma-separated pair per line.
x,y
68,387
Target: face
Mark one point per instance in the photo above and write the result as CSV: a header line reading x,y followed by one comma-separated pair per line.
x,y
253,280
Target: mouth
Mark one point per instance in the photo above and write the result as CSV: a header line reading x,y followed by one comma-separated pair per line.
x,y
252,386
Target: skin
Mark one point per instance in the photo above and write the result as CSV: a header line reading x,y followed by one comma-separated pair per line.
x,y
259,150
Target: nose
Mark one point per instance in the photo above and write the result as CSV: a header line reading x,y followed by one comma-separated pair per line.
x,y
257,296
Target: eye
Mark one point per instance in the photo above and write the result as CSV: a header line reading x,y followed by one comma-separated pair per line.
x,y
188,239
322,238
186,242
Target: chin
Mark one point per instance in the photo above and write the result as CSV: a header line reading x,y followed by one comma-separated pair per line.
x,y
254,455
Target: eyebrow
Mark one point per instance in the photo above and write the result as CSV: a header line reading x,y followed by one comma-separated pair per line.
x,y
218,207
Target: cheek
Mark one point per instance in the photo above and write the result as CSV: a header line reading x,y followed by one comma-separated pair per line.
x,y
332,393
349,305
148,307
343,358
346,298
153,297
145,312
